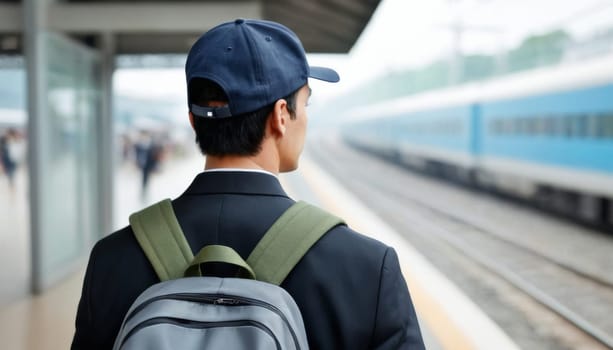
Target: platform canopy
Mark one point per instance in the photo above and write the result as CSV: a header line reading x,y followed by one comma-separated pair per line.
x,y
155,26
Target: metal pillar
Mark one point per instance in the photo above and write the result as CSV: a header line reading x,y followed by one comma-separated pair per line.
x,y
35,53
106,146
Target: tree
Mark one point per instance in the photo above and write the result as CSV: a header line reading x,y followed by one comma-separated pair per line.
x,y
539,50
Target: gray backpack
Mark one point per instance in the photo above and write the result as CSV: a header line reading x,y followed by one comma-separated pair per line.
x,y
247,312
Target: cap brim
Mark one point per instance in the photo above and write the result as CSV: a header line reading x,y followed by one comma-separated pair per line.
x,y
325,74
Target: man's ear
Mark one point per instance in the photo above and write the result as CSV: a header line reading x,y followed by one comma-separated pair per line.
x,y
279,118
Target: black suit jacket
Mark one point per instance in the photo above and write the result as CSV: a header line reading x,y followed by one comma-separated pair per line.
x,y
348,287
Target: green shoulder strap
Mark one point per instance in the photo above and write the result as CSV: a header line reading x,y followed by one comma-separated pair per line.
x,y
288,239
160,236
158,232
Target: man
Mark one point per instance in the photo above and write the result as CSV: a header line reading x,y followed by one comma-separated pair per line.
x,y
247,95
9,154
148,153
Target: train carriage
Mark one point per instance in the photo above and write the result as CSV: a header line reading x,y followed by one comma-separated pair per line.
x,y
544,135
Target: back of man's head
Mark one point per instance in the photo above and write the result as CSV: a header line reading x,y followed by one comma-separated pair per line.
x,y
235,74
239,135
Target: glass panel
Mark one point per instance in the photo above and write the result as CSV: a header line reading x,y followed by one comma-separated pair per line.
x,y
70,153
14,217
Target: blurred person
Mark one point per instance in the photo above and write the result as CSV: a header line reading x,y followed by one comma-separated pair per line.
x,y
126,148
248,89
148,153
10,154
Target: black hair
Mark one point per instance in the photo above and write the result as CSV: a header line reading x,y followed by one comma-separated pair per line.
x,y
239,135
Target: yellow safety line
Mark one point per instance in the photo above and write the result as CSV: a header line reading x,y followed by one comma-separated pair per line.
x,y
447,333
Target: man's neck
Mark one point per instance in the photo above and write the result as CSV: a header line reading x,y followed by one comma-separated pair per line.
x,y
239,162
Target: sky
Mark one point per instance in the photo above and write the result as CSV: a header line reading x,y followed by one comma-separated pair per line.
x,y
407,34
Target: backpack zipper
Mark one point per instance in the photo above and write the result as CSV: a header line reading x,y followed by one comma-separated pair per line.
x,y
200,325
218,299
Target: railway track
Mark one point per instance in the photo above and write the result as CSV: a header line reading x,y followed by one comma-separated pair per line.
x,y
583,298
585,301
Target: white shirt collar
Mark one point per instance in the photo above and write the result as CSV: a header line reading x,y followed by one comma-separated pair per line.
x,y
239,169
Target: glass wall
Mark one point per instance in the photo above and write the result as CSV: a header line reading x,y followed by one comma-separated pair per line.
x,y
68,199
14,212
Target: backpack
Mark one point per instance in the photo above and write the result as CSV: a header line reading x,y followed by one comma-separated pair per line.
x,y
250,311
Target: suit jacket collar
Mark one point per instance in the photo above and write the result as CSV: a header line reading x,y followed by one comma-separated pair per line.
x,y
236,182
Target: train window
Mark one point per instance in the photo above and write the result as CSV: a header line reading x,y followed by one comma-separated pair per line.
x,y
578,126
584,124
592,125
517,126
533,126
500,126
572,129
560,129
571,126
522,127
538,126
508,126
567,126
549,126
608,126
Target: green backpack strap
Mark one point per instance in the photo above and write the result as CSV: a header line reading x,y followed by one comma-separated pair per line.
x,y
288,239
158,232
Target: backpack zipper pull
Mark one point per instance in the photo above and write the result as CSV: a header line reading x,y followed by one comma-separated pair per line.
x,y
225,301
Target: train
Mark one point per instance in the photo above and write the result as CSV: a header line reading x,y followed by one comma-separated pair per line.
x,y
543,136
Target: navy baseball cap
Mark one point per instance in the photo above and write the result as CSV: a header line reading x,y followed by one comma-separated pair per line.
x,y
255,62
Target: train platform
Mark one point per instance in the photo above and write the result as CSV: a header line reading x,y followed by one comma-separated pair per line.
x,y
448,319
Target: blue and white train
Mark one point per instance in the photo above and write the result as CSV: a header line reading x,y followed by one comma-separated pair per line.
x,y
544,135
